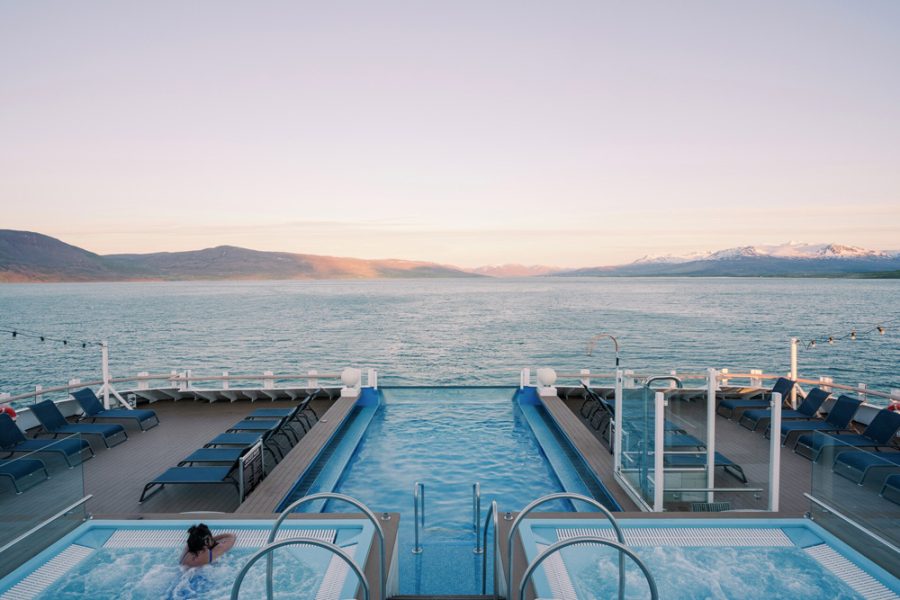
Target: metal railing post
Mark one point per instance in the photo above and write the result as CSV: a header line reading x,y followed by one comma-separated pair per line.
x,y
418,496
491,517
476,515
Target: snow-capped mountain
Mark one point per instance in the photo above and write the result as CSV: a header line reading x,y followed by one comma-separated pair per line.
x,y
793,259
788,250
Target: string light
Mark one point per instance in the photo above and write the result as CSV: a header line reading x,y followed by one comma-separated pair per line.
x,y
18,332
853,335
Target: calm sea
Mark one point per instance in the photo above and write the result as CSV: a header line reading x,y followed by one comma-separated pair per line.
x,y
450,331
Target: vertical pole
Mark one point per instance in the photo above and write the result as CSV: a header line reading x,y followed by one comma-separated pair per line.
x,y
225,382
862,392
794,343
775,453
617,429
711,384
104,354
659,447
586,377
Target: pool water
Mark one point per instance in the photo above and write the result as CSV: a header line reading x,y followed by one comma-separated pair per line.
x,y
448,439
719,573
154,574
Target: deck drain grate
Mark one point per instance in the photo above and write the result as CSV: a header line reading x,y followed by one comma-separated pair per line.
x,y
246,538
335,576
688,536
557,574
48,574
861,582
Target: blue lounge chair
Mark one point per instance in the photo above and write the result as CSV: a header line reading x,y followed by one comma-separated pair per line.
x,y
891,488
280,426
213,455
93,409
193,476
782,386
13,441
837,420
23,467
856,464
878,434
689,461
54,422
246,440
297,414
807,410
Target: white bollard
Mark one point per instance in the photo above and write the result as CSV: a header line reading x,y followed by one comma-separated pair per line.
x,y
862,392
673,373
372,378
313,382
724,381
143,384
225,382
825,383
268,382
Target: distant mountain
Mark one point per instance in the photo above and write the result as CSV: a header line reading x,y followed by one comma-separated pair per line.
x,y
516,270
787,260
28,256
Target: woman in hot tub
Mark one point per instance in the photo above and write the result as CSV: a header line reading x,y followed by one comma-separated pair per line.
x,y
203,547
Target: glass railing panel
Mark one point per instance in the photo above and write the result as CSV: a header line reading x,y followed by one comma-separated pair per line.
x,y
638,441
858,490
741,473
37,486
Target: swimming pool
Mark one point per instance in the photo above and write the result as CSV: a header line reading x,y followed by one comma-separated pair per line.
x,y
691,560
139,561
448,439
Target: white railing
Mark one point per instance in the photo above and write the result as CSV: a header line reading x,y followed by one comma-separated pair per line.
x,y
184,381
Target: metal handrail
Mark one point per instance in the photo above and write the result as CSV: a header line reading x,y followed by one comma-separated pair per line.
x,y
44,523
563,496
417,498
269,548
492,517
588,539
328,496
476,515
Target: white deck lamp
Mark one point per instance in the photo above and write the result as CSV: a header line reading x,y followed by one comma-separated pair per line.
x,y
351,378
546,378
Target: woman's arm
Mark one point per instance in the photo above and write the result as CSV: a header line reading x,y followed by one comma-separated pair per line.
x,y
224,543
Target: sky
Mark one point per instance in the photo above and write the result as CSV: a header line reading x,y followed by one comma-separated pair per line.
x,y
466,132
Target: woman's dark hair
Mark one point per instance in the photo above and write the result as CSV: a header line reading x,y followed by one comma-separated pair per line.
x,y
197,536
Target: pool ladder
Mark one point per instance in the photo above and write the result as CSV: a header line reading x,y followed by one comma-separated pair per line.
x,y
272,545
557,546
419,515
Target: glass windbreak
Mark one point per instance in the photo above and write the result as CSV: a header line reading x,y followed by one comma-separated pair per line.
x,y
39,480
638,442
740,474
858,488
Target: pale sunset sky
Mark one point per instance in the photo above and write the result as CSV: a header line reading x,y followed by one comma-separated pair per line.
x,y
464,132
